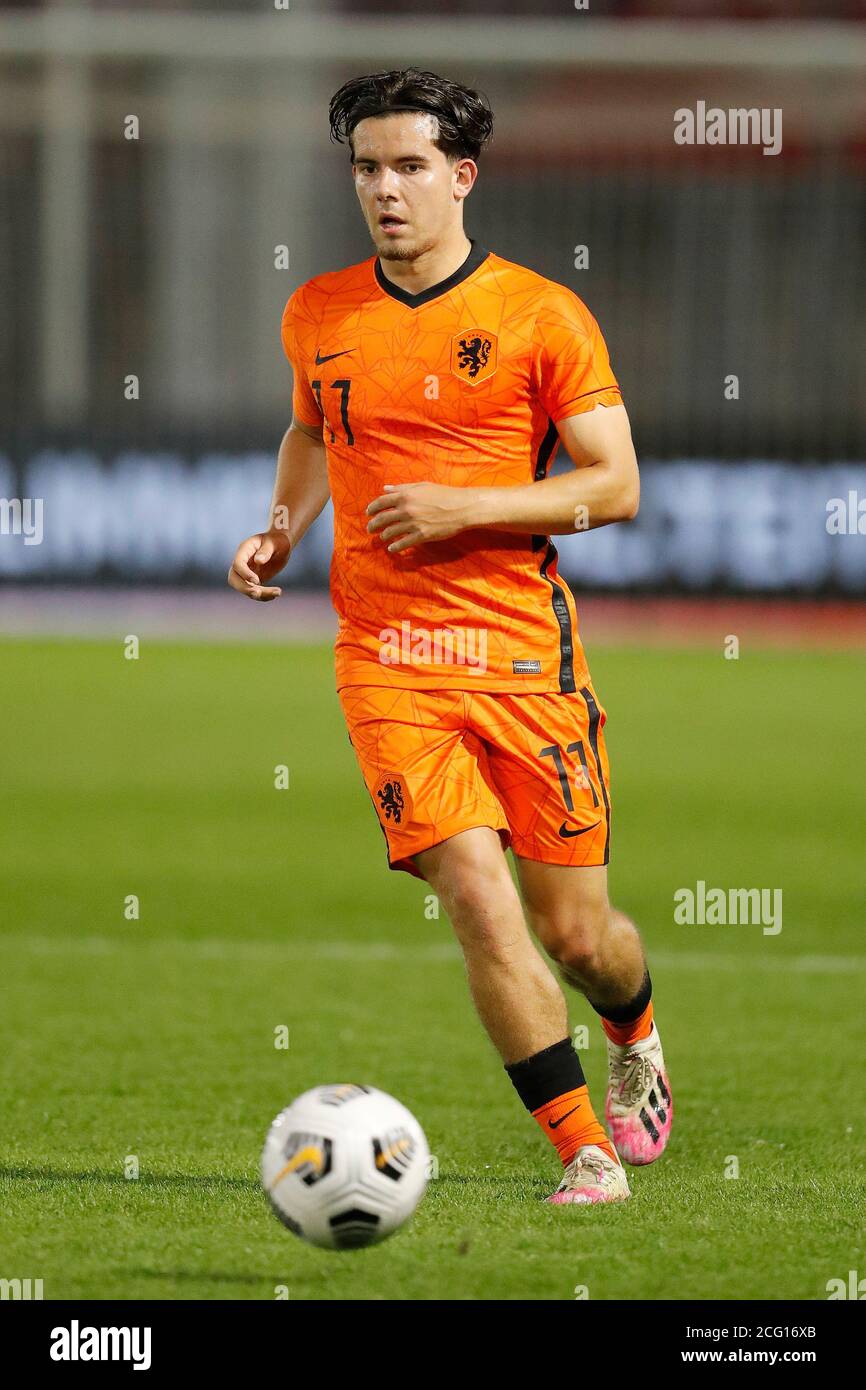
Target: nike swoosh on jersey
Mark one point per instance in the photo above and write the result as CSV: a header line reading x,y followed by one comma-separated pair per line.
x,y
329,356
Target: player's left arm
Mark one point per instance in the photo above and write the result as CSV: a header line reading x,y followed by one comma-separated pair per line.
x,y
603,486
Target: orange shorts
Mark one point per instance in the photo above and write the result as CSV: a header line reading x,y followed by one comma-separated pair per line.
x,y
533,767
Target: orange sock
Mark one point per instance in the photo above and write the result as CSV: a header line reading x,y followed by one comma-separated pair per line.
x,y
636,1031
553,1088
569,1122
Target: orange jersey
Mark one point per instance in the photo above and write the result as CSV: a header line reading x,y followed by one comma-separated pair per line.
x,y
462,384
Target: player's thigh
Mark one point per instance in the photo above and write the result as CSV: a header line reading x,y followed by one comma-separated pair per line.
x,y
548,764
421,770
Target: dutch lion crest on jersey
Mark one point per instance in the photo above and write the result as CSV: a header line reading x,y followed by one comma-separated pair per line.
x,y
473,355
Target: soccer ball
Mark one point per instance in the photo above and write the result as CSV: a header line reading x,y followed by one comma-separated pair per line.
x,y
344,1166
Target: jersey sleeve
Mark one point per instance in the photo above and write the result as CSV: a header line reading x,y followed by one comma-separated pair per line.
x,y
570,362
305,407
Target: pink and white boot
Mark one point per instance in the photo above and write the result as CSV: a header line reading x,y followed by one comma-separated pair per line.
x,y
591,1176
639,1109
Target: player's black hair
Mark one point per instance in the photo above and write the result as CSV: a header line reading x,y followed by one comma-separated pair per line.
x,y
464,117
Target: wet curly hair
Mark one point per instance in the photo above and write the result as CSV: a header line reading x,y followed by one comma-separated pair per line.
x,y
463,116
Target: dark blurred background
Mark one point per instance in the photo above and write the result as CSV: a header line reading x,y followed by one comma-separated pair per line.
x,y
154,257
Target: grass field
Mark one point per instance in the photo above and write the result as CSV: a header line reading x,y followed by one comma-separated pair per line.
x,y
259,907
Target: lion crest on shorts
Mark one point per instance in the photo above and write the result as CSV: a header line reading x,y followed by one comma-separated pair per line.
x,y
391,798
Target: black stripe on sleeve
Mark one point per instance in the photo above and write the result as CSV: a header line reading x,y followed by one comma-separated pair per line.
x,y
546,450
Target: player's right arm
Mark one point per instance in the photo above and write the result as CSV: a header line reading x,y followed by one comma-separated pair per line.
x,y
300,493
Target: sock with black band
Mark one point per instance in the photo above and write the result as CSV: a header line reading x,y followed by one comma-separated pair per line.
x,y
631,1022
553,1088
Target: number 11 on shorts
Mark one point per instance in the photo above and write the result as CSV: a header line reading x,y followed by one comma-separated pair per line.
x,y
555,752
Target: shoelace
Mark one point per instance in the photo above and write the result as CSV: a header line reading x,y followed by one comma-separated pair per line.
x,y
632,1076
581,1164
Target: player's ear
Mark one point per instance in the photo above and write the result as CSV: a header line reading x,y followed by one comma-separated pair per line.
x,y
465,174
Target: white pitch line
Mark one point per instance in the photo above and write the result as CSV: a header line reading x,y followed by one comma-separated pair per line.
x,y
225,948
793,964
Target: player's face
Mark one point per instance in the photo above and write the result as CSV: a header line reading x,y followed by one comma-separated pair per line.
x,y
410,192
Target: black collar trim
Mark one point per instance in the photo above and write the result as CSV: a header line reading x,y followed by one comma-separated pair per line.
x,y
477,255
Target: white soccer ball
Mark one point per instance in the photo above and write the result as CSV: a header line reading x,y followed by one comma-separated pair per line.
x,y
345,1166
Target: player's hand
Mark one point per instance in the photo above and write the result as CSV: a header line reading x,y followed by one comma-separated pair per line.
x,y
257,560
412,513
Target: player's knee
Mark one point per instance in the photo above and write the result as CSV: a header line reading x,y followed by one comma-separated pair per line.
x,y
468,875
471,906
483,918
575,941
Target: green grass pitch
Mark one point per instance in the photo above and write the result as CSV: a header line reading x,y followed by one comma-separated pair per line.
x,y
260,907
